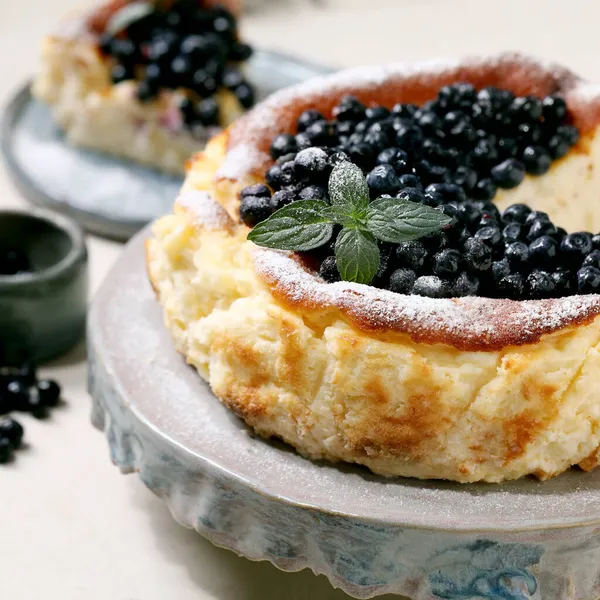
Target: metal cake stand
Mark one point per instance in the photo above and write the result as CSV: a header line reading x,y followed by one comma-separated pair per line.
x,y
367,534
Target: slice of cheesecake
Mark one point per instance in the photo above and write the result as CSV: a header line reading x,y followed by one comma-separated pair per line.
x,y
146,81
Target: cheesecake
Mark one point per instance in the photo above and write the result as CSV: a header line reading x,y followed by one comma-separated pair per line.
x,y
398,267
147,81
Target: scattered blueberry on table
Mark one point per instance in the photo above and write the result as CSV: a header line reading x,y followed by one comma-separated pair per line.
x,y
22,391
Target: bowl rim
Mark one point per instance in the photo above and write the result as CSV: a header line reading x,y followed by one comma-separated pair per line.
x,y
60,223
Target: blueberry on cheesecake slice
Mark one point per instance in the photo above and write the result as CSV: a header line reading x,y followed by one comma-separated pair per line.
x,y
147,80
400,267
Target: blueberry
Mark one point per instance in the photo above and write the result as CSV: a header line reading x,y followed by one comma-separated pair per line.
x,y
409,138
404,111
377,140
490,234
303,141
411,194
245,94
537,160
283,144
588,280
282,198
273,177
431,286
446,192
465,177
409,180
528,134
484,154
499,269
120,73
232,78
208,112
289,173
536,215
526,108
468,213
17,395
554,109
540,227
338,157
146,91
349,109
313,192
558,146
477,255
6,450
254,209
446,263
539,284
507,147
240,52
484,190
563,282
12,431
511,286
435,241
402,281
596,241
383,180
307,118
513,232
313,163
465,285
543,250
390,155
575,247
260,190
508,174
568,133
517,255
411,254
516,213
592,259
329,271
362,155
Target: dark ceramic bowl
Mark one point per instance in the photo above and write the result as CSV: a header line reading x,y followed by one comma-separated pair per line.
x,y
42,310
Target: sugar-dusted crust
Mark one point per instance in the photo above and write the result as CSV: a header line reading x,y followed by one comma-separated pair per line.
x,y
467,389
74,80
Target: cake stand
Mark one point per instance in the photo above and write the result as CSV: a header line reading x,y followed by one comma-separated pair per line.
x,y
369,535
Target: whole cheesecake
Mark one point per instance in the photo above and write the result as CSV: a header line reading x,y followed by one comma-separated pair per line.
x,y
471,354
150,81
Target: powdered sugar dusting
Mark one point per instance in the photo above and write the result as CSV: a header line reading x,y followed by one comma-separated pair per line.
x,y
204,210
467,323
251,135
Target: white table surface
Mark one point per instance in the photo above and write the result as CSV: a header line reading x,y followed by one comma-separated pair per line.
x,y
72,527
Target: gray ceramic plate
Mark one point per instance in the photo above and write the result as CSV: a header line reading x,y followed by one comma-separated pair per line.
x,y
108,196
368,534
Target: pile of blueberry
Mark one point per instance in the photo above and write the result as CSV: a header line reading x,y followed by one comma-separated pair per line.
x,y
187,47
13,261
453,153
21,390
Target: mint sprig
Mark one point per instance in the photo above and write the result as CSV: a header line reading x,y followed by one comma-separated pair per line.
x,y
308,224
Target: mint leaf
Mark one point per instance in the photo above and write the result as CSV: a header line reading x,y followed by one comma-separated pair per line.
x,y
395,220
348,189
299,226
357,255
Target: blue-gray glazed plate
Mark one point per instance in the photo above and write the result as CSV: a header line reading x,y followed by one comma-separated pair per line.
x,y
427,540
106,195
